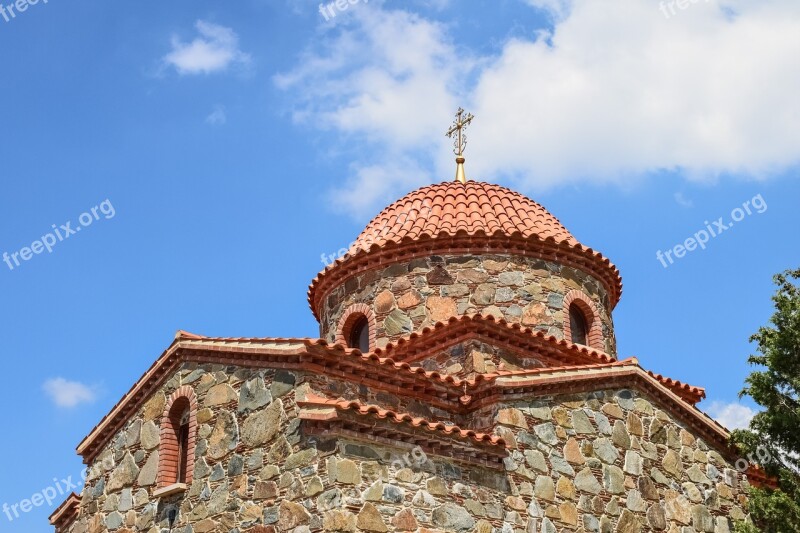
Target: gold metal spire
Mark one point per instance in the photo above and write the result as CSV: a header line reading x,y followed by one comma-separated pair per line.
x,y
458,130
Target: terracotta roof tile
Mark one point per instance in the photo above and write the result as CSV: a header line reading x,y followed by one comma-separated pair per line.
x,y
255,350
402,418
478,210
393,353
566,368
452,206
759,479
418,340
66,513
677,386
401,366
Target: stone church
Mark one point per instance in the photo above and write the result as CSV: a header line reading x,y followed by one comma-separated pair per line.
x,y
465,378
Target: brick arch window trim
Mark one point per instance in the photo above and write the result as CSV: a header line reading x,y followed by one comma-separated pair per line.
x,y
168,458
350,318
590,314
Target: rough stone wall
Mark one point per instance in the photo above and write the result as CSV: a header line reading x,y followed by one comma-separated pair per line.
x,y
239,411
613,461
467,359
408,296
596,462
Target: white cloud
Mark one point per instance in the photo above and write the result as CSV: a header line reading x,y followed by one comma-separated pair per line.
x,y
616,92
373,91
217,117
682,200
623,91
66,393
557,8
214,50
376,184
731,415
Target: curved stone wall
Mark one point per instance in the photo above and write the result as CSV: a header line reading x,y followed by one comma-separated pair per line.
x,y
406,297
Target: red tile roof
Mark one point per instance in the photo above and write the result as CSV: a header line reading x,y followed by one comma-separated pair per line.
x,y
690,395
684,390
759,479
472,217
66,513
402,418
419,345
384,373
451,207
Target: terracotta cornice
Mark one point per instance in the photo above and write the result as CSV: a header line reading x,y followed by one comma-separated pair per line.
x,y
150,380
759,479
310,355
316,356
371,422
516,338
163,368
66,513
512,336
312,400
462,243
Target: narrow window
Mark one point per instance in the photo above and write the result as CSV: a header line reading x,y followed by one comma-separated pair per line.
x,y
577,325
359,335
178,435
183,446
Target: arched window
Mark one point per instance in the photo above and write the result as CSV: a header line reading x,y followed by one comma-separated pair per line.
x,y
182,436
178,434
578,326
357,328
582,323
359,334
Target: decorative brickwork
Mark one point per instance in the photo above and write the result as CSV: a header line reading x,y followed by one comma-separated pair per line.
x,y
350,318
169,461
589,310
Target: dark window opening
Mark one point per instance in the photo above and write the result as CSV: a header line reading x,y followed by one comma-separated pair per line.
x,y
183,447
359,335
577,325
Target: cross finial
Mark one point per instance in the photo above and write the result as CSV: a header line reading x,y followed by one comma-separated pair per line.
x,y
458,129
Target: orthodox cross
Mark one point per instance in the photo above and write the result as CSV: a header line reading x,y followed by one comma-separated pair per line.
x,y
458,130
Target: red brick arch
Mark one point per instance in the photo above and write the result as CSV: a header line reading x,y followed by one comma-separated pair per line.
x,y
589,309
350,317
170,421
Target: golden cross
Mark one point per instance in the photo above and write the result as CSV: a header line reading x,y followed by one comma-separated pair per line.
x,y
458,129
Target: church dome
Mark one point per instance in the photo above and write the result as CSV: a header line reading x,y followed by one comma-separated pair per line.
x,y
453,249
474,208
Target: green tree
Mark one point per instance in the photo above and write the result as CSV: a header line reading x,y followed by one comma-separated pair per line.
x,y
773,440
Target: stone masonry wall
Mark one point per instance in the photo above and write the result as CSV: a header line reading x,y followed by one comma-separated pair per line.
x,y
406,297
596,462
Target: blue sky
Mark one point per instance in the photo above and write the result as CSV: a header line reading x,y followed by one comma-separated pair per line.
x,y
226,150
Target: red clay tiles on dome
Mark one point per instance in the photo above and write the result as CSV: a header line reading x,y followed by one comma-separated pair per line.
x,y
473,207
472,217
